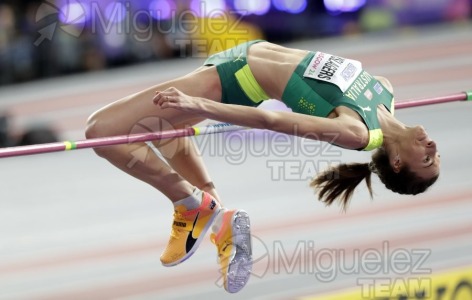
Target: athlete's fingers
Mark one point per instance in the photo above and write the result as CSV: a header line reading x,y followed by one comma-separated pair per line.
x,y
171,104
161,96
156,97
170,98
162,100
166,99
166,105
166,92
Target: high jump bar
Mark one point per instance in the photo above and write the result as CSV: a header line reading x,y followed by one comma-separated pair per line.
x,y
190,131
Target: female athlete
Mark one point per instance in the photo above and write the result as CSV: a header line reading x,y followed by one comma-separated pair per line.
x,y
332,99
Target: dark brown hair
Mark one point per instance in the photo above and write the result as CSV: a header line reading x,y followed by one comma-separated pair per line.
x,y
337,183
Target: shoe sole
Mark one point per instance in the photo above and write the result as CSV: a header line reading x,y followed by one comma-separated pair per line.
x,y
240,266
197,243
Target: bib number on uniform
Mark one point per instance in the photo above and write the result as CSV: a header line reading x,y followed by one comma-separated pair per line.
x,y
334,69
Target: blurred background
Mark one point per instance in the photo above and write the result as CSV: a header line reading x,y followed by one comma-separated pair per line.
x,y
48,38
55,38
74,227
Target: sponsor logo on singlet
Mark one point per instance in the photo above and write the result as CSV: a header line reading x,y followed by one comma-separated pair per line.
x,y
333,69
357,88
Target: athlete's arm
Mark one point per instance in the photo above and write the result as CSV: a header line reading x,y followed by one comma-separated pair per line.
x,y
345,132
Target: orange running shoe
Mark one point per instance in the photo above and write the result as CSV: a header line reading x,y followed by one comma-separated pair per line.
x,y
188,230
234,249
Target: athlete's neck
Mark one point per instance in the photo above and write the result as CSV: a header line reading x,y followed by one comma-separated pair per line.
x,y
393,130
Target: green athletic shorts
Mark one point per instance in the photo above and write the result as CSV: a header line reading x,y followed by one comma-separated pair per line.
x,y
237,81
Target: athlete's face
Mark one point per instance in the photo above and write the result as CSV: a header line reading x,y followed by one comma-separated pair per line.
x,y
420,153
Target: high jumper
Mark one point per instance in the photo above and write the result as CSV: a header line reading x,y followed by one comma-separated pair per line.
x,y
329,96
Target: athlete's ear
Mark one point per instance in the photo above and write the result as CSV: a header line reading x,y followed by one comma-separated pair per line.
x,y
396,163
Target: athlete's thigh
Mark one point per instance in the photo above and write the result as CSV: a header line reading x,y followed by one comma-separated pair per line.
x,y
137,112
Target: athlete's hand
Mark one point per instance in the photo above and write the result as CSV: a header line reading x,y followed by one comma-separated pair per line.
x,y
173,98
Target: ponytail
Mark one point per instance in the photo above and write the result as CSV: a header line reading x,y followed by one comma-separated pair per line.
x,y
338,182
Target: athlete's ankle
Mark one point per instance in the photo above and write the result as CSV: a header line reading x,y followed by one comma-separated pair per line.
x,y
191,202
218,222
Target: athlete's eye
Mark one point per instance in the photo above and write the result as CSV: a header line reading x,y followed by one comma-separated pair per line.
x,y
427,159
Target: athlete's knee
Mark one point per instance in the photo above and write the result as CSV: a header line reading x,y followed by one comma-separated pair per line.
x,y
94,127
97,127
